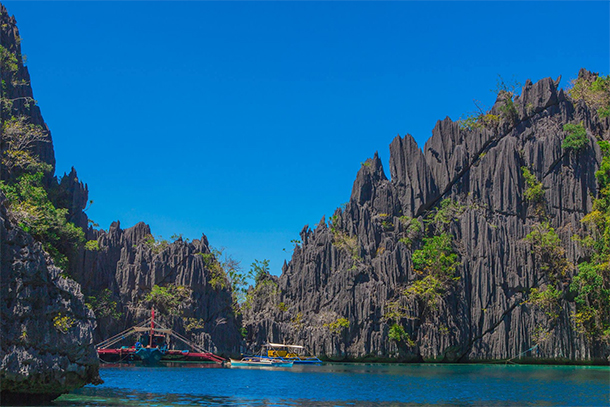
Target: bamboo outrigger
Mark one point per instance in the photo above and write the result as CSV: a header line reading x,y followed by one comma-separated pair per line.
x,y
152,346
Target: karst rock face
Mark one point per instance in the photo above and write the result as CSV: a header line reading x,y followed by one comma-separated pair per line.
x,y
48,329
129,266
486,314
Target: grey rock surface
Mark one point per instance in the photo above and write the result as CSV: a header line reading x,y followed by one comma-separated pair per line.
x,y
130,267
486,315
46,328
48,332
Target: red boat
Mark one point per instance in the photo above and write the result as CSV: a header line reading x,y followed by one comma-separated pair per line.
x,y
152,346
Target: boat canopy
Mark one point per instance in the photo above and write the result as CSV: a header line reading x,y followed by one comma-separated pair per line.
x,y
281,345
144,329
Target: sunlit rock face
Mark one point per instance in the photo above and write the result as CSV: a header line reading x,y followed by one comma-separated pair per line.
x,y
46,328
48,331
485,315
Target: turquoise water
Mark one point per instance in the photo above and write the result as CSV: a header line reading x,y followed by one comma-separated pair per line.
x,y
348,385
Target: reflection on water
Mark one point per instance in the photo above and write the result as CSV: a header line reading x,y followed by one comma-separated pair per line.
x,y
347,385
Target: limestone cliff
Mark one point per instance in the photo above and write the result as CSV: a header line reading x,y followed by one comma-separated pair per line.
x,y
130,265
48,327
346,278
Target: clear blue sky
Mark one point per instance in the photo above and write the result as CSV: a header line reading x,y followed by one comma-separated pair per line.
x,y
246,121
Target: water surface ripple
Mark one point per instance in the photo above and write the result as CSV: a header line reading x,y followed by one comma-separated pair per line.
x,y
348,385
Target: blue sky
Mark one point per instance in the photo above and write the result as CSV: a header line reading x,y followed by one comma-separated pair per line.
x,y
246,121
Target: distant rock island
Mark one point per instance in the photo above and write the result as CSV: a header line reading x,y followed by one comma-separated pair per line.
x,y
491,244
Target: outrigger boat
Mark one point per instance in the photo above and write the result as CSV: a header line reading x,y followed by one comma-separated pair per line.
x,y
152,346
251,361
288,353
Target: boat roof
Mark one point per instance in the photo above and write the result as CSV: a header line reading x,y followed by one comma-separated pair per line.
x,y
144,329
283,345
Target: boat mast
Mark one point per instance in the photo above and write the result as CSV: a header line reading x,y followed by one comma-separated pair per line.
x,y
152,327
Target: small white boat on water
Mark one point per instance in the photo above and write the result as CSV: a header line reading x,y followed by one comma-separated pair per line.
x,y
249,361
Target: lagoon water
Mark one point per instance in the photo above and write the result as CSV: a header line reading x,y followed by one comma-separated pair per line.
x,y
336,384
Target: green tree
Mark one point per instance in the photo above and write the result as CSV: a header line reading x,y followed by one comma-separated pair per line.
x,y
591,285
104,305
436,262
576,138
534,191
594,91
171,299
31,209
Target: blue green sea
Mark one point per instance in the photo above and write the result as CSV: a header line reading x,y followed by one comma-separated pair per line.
x,y
336,384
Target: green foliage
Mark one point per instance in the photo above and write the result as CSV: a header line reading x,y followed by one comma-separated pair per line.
x,y
156,245
8,61
546,246
506,90
265,288
508,110
225,272
436,258
469,122
297,321
595,93
576,138
547,300
333,222
92,245
259,270
63,323
282,307
19,138
348,243
429,290
30,207
244,332
591,286
534,191
413,230
437,262
397,333
393,312
337,326
170,299
448,211
511,86
479,119
193,324
103,305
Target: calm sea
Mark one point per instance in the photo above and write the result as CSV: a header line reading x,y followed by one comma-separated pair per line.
x,y
348,385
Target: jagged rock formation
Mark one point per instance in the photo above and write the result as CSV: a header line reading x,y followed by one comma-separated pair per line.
x,y
17,85
358,267
46,328
130,266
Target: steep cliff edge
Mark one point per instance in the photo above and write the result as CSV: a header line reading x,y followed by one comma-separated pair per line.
x,y
67,285
460,210
46,327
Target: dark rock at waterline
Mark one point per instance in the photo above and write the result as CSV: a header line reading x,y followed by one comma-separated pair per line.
x,y
48,334
46,327
485,316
